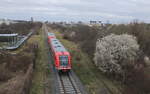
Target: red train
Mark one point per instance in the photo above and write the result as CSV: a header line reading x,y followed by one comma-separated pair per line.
x,y
62,58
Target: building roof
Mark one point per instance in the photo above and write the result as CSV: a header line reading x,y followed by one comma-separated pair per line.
x,y
8,35
57,45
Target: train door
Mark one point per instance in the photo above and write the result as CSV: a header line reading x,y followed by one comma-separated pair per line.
x,y
63,61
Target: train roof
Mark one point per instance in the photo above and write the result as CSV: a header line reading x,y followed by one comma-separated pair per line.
x,y
57,45
51,34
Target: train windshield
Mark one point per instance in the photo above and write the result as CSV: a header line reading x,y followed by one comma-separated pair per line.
x,y
63,60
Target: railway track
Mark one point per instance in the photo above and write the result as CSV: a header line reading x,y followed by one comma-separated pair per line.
x,y
64,83
67,84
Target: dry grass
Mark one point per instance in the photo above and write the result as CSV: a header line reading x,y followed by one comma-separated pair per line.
x,y
42,71
14,68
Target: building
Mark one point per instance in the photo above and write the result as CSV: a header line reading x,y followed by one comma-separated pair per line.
x,y
95,22
9,38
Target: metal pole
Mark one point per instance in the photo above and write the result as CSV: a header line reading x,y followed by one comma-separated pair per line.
x,y
13,40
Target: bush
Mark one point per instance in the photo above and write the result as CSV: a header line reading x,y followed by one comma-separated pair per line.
x,y
115,53
22,28
84,35
140,30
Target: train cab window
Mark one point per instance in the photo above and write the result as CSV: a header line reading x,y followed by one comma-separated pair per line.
x,y
63,60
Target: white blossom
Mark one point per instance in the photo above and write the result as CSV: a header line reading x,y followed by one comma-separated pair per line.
x,y
113,51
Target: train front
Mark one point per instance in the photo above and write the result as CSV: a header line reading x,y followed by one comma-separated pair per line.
x,y
64,62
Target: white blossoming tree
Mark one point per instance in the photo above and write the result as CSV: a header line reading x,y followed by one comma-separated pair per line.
x,y
114,52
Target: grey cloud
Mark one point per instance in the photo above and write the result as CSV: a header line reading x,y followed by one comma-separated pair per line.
x,y
113,10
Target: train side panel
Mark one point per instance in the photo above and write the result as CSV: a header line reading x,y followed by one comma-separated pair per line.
x,y
62,58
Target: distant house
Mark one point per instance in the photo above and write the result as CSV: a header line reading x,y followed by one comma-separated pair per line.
x,y
93,22
19,21
5,21
80,22
96,23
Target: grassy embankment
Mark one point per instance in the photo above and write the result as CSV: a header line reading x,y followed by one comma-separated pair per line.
x,y
41,71
91,77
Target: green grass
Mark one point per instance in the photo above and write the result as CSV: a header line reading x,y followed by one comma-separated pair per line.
x,y
90,76
41,69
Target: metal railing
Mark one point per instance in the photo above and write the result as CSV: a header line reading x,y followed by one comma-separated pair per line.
x,y
18,44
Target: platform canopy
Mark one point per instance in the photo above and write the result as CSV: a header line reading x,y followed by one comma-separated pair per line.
x,y
9,35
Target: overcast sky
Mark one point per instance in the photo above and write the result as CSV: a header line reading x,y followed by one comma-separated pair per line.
x,y
118,11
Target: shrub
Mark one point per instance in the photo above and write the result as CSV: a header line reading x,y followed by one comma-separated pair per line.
x,y
22,28
140,30
84,35
115,53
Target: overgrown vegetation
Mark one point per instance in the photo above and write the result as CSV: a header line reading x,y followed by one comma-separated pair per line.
x,y
94,81
16,70
139,79
22,28
140,30
85,37
120,57
16,67
117,53
42,75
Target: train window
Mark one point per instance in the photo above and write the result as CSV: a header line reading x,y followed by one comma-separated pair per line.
x,y
63,60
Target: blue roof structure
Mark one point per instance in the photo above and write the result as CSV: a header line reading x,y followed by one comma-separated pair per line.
x,y
57,45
